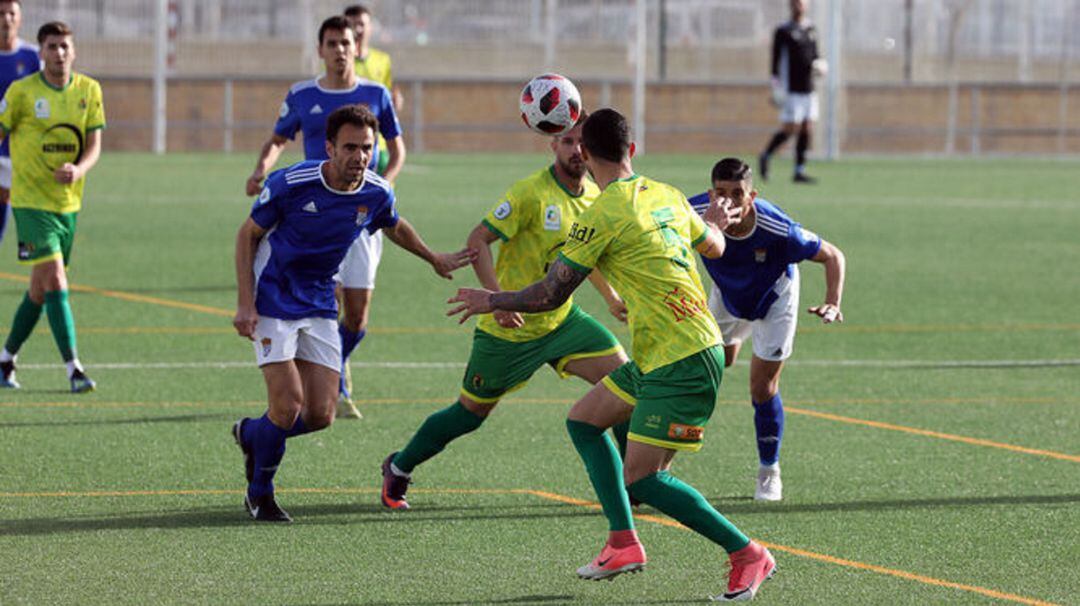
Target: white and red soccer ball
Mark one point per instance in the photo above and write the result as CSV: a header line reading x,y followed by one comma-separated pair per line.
x,y
550,104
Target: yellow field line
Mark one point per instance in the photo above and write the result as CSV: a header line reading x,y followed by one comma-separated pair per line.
x,y
551,496
127,296
933,434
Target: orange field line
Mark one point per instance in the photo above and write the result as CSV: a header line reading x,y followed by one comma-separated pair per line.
x,y
551,496
933,434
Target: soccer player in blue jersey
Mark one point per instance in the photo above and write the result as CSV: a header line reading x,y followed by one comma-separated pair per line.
x,y
756,294
304,110
287,253
18,59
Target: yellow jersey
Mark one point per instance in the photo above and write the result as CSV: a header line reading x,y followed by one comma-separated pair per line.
x,y
532,221
375,67
640,234
48,126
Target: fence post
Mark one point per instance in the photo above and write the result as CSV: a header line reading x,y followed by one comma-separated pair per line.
x,y
950,119
976,143
417,95
227,118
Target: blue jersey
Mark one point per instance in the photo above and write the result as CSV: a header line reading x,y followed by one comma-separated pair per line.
x,y
311,226
751,265
16,64
307,105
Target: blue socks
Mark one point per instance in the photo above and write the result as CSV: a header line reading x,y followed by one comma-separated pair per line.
x,y
299,428
349,341
769,423
4,212
267,442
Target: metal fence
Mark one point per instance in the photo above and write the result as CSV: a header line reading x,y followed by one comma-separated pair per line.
x,y
954,46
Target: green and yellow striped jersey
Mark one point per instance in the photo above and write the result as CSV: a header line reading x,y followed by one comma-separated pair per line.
x,y
48,127
640,234
532,221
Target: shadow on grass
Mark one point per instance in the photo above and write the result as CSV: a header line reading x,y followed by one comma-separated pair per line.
x,y
329,514
186,418
525,599
726,506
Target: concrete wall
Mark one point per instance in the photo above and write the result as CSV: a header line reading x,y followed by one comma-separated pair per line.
x,y
449,115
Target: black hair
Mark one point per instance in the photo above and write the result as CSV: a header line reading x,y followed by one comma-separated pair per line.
x,y
606,135
356,10
358,115
731,169
336,23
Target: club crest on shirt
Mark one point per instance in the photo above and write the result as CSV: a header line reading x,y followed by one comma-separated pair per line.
x,y
502,211
552,218
361,214
20,68
264,196
82,103
41,108
266,343
759,255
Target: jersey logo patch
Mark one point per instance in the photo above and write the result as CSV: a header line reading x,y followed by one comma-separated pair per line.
x,y
41,108
679,431
502,211
264,196
807,235
582,233
284,110
759,255
552,218
3,106
361,214
310,207
317,109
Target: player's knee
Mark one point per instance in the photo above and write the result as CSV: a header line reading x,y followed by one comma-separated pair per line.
x,y
320,420
355,322
762,391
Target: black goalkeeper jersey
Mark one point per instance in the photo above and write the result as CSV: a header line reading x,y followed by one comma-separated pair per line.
x,y
793,53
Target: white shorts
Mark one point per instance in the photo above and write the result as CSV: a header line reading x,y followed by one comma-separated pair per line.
x,y
315,340
799,107
774,335
361,262
5,173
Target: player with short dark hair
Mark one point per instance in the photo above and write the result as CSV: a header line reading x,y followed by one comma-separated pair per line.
x,y
287,252
54,121
755,294
18,59
532,221
795,63
304,110
640,233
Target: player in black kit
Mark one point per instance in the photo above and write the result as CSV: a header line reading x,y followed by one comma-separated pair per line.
x,y
795,63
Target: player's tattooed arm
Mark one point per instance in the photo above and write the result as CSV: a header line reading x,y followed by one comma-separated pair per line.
x,y
545,295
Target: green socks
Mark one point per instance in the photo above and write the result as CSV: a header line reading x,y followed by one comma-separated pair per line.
x,y
22,325
437,431
681,501
605,472
61,321
619,432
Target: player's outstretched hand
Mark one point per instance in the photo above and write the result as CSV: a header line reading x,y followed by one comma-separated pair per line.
x,y
508,319
828,313
618,309
253,185
475,301
444,264
245,320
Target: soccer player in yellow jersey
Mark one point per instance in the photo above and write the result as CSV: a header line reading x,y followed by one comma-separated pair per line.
x,y
532,222
640,233
54,120
373,64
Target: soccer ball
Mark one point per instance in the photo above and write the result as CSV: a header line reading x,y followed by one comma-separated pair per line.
x,y
550,104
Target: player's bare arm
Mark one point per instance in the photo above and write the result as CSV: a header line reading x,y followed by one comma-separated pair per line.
x,y
479,240
615,304
396,149
835,264
405,235
70,173
247,241
269,155
545,295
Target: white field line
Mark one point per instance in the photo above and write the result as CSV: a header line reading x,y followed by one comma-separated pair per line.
x,y
900,364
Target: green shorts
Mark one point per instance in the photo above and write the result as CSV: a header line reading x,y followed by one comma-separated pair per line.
x,y
673,403
43,235
497,366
